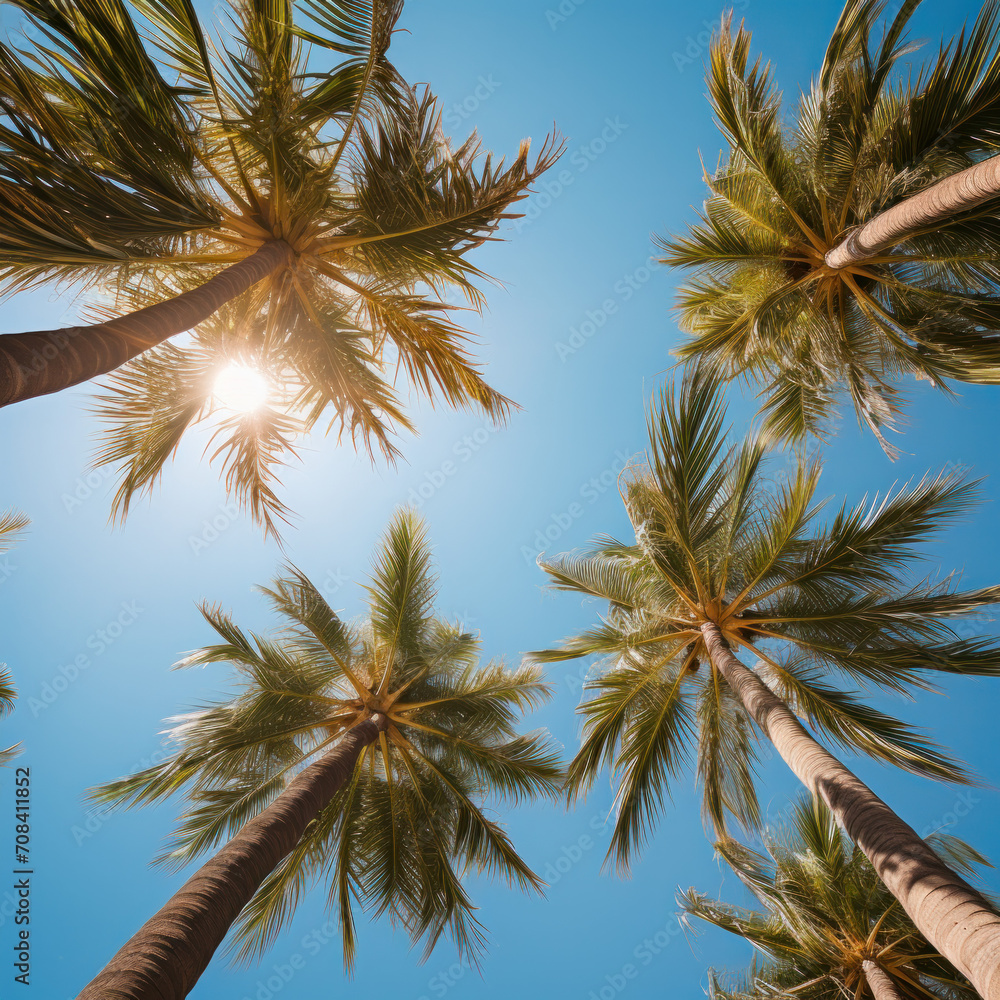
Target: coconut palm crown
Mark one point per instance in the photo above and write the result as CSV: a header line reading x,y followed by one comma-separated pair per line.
x,y
813,600
142,155
828,928
409,823
764,303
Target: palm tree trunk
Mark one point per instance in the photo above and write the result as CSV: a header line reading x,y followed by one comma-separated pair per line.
x,y
879,981
34,364
930,207
164,959
953,916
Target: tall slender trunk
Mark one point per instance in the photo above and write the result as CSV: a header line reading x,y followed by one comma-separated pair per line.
x,y
879,981
949,912
34,364
935,204
165,957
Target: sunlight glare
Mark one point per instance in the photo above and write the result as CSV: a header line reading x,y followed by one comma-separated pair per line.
x,y
241,388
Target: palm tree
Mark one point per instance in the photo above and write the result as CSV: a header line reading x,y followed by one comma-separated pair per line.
x,y
723,560
11,524
354,752
829,929
855,244
329,199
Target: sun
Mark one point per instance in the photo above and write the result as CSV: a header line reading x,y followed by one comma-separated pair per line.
x,y
241,388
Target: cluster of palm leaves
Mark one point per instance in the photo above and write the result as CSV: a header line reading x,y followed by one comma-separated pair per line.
x,y
406,821
146,176
721,539
871,134
841,247
828,927
307,226
732,557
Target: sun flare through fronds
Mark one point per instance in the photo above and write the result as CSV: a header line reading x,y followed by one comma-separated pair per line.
x,y
241,388
291,135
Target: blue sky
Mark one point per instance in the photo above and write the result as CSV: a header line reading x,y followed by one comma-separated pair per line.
x,y
579,334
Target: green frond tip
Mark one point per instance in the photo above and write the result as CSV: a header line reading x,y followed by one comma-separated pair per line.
x,y
8,693
12,524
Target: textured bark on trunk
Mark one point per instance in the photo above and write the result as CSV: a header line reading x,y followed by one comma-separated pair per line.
x,y
164,959
34,364
879,981
941,201
949,912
